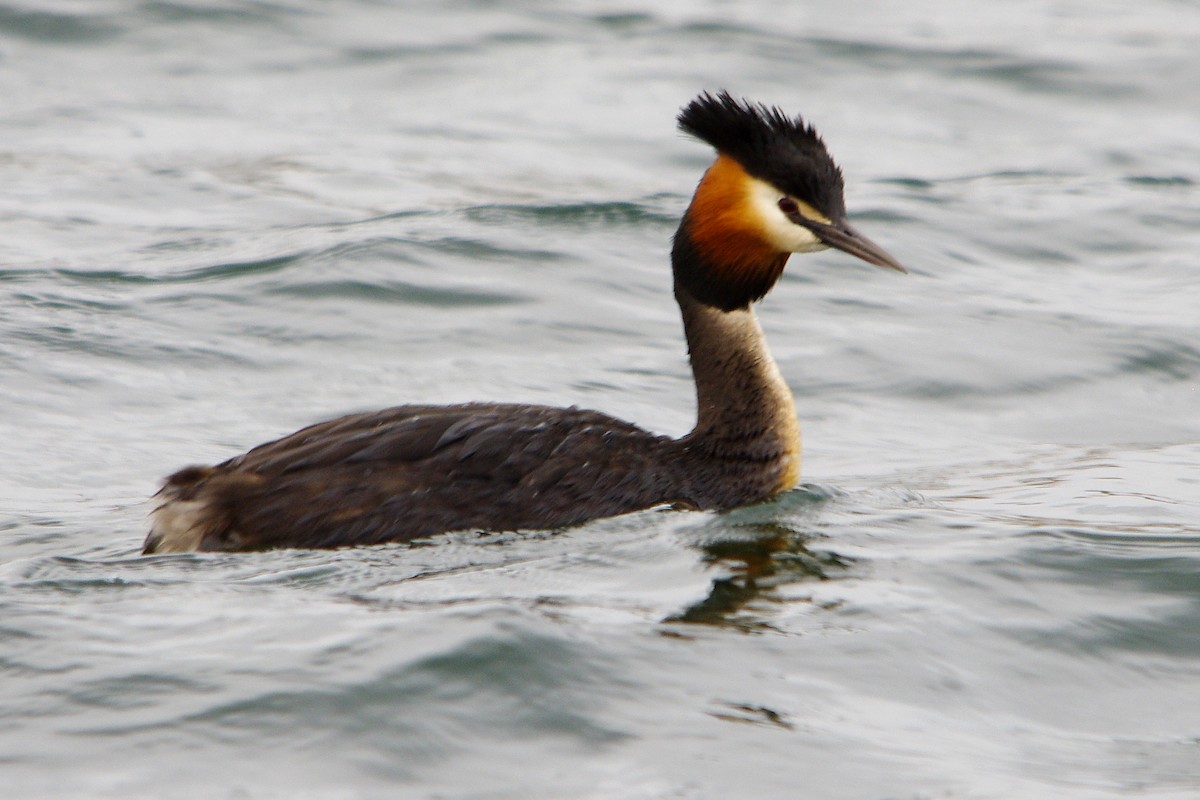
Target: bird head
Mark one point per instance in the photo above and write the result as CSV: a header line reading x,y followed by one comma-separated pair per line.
x,y
773,190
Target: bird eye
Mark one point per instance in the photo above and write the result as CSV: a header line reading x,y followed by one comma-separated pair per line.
x,y
788,206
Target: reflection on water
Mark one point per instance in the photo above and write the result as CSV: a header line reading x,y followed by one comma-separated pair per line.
x,y
224,221
759,558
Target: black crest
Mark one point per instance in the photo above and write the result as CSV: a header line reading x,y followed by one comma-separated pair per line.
x,y
783,151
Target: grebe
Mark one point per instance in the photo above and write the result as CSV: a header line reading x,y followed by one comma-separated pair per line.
x,y
414,470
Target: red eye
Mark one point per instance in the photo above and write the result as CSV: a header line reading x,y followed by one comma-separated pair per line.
x,y
788,206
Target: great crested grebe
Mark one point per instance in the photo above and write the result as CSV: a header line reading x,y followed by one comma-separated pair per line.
x,y
413,471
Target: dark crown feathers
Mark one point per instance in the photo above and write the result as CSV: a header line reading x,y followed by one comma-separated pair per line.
x,y
785,152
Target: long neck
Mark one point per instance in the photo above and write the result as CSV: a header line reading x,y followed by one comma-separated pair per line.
x,y
746,443
740,394
746,433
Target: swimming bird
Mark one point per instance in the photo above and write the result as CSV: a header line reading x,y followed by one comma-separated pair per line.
x,y
417,470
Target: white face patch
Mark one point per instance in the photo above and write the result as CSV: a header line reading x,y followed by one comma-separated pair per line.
x,y
778,229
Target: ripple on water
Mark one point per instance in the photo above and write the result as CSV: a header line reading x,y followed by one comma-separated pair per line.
x,y
221,219
490,680
211,272
48,26
608,214
397,292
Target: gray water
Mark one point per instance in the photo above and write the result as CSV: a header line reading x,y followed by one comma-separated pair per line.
x,y
220,221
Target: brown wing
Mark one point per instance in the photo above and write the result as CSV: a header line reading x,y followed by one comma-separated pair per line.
x,y
413,471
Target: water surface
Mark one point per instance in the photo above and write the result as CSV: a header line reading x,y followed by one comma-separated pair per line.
x,y
224,220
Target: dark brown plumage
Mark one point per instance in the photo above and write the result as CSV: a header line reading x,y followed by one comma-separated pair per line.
x,y
412,471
